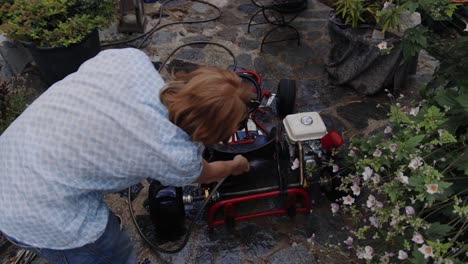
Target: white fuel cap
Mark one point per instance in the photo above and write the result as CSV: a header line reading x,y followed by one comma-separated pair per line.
x,y
307,120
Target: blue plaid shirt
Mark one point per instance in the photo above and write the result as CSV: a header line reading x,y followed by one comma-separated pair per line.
x,y
99,130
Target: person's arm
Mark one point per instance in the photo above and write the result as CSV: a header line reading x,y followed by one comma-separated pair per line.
x,y
217,170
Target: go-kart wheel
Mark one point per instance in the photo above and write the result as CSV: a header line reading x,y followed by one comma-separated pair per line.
x,y
286,97
291,211
230,223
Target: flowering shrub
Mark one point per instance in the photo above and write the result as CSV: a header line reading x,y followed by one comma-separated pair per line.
x,y
405,196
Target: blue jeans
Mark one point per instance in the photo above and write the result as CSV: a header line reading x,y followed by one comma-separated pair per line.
x,y
112,247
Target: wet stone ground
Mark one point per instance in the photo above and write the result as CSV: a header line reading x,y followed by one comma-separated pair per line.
x,y
275,239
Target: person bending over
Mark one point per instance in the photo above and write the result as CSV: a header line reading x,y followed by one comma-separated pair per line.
x,y
106,127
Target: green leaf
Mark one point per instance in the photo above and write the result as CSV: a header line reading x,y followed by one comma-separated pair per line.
x,y
437,231
393,192
417,182
418,257
462,100
414,141
411,6
462,163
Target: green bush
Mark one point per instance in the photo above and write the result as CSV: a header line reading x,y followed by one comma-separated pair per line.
x,y
54,23
407,190
407,186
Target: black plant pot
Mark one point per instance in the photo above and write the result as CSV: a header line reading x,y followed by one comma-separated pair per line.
x,y
56,63
355,61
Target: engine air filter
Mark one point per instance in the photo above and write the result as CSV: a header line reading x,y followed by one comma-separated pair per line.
x,y
304,126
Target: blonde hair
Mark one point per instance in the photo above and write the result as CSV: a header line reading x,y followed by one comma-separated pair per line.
x,y
207,104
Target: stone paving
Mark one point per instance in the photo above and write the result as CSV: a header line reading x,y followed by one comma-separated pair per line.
x,y
277,239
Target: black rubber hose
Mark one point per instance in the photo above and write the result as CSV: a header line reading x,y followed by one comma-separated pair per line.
x,y
197,43
157,27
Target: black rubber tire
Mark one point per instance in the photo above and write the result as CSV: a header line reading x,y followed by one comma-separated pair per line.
x,y
286,97
230,223
291,211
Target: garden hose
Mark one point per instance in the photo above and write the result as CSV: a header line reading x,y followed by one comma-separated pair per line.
x,y
189,230
196,43
156,27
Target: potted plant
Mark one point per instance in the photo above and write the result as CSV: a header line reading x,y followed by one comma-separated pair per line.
x,y
60,34
375,42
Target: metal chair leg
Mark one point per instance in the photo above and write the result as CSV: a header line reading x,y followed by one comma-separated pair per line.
x,y
293,29
251,19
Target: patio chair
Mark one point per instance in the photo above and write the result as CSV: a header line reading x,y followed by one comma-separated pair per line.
x,y
280,14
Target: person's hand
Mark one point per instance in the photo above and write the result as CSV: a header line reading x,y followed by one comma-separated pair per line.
x,y
241,165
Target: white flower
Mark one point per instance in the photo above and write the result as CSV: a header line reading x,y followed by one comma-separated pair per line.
x,y
376,178
466,28
440,132
335,208
335,168
311,241
367,173
402,255
386,4
417,238
402,178
414,111
352,153
356,189
385,259
371,201
375,221
432,188
393,147
378,204
294,244
388,129
448,261
348,200
415,163
368,252
409,210
295,164
377,153
382,45
426,250
349,241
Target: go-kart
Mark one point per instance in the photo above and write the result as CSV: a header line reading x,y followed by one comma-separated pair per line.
x,y
278,144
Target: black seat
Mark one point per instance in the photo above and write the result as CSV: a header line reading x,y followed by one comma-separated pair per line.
x,y
280,14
